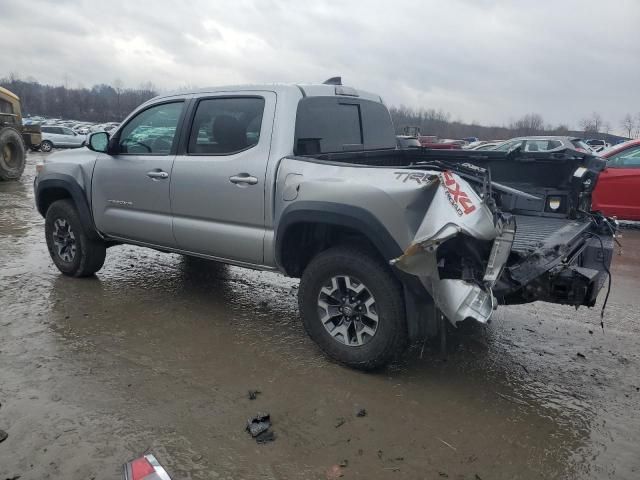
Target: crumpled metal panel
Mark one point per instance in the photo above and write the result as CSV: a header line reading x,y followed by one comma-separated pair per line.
x,y
455,209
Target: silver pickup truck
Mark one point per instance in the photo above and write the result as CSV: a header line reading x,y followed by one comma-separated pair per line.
x,y
307,180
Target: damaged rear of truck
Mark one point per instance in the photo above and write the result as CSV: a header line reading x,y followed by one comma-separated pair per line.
x,y
474,230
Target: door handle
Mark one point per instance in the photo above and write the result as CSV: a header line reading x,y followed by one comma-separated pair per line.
x,y
243,178
158,174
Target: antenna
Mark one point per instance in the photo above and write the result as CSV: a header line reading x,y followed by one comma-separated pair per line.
x,y
333,81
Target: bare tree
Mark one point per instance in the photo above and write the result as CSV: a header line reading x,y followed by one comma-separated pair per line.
x,y
628,123
117,86
530,124
592,124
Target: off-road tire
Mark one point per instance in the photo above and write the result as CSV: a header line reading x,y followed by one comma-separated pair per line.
x,y
13,156
89,254
46,146
391,335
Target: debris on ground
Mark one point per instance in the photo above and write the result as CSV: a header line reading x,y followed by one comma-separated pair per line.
x,y
344,463
253,394
258,424
448,445
15,477
361,413
266,437
258,427
581,355
339,422
443,474
334,472
3,436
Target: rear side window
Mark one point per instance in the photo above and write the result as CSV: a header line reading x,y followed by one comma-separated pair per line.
x,y
541,145
222,126
335,124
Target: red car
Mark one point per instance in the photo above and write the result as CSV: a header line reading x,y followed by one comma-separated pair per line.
x,y
617,192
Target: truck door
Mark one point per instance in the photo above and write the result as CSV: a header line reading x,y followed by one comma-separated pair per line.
x,y
618,189
130,188
218,182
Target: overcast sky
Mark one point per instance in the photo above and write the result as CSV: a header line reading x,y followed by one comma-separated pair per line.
x,y
488,61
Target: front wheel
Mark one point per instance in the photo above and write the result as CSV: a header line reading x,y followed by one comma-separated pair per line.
x,y
71,249
12,154
352,307
46,146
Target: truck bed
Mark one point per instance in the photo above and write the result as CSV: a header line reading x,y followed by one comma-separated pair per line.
x,y
534,232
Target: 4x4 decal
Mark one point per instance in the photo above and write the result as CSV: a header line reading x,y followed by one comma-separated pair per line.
x,y
456,196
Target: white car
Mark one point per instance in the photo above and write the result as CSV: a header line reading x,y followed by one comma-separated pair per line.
x,y
60,137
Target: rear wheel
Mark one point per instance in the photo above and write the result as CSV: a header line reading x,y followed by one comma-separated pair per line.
x,y
71,249
46,146
352,307
12,154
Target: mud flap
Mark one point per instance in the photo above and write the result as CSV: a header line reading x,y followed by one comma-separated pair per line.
x,y
457,210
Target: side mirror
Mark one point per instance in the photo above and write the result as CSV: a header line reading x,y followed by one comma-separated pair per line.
x,y
98,142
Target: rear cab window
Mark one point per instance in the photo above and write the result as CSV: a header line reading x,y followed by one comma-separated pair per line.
x,y
342,124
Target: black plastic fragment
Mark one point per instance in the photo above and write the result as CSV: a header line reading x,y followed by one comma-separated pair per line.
x,y
253,394
258,424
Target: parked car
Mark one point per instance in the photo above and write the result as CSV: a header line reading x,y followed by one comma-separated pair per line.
x,y
81,129
60,137
407,141
434,143
313,186
618,189
597,145
543,144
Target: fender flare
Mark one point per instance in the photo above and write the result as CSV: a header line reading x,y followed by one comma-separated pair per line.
x,y
341,215
77,194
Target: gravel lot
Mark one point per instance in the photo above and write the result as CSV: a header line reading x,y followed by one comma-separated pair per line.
x,y
157,353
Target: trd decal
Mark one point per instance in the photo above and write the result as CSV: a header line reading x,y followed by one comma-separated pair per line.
x,y
421,178
457,197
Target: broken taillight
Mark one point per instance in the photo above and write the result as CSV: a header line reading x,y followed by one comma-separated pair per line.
x,y
144,468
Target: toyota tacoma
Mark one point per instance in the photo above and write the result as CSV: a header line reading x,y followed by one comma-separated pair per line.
x,y
307,180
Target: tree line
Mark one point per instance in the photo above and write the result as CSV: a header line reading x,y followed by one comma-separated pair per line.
x,y
438,122
103,103
100,103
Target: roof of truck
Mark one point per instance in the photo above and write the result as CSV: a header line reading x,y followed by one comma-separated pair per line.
x,y
307,90
8,93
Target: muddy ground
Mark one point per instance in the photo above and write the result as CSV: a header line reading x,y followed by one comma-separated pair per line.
x,y
157,354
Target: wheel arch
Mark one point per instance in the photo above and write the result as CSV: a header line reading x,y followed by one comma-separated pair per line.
x,y
317,226
58,187
308,227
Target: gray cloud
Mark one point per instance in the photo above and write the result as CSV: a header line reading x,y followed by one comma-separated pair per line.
x,y
488,60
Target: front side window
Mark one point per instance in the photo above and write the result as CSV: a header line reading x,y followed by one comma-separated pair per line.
x,y
152,131
629,158
7,109
222,126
